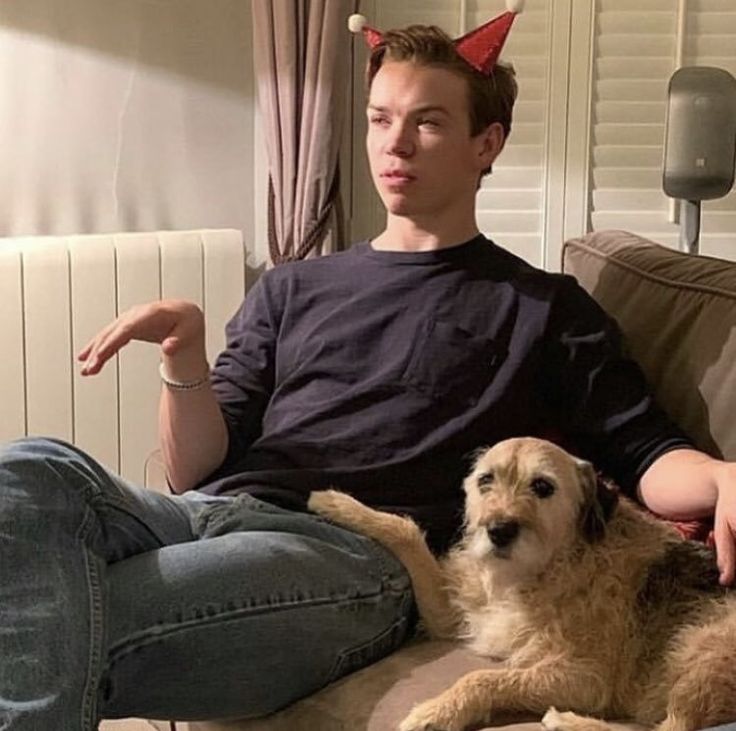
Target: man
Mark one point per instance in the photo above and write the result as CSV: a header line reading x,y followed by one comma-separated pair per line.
x,y
378,370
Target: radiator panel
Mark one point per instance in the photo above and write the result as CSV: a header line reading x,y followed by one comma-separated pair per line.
x,y
181,266
56,293
139,281
224,276
48,357
93,306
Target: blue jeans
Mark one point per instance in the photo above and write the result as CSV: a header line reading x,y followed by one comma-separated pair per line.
x,y
117,601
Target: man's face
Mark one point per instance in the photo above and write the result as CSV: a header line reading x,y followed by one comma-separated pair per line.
x,y
423,159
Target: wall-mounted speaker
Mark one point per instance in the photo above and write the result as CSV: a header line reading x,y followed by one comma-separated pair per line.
x,y
700,137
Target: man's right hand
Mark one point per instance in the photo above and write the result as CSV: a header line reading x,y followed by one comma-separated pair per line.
x,y
178,325
192,429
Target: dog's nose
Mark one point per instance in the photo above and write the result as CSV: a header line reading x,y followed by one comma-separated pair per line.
x,y
503,532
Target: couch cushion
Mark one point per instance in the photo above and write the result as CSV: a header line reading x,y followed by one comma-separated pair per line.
x,y
678,314
378,697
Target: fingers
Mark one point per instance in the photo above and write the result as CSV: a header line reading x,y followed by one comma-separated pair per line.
x,y
108,342
175,324
724,528
84,352
131,324
726,551
89,354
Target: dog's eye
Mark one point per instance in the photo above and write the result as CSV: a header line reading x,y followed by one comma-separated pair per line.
x,y
485,481
542,488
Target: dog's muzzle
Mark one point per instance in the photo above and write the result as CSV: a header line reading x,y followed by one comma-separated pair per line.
x,y
503,533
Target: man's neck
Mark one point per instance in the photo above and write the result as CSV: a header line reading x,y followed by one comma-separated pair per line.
x,y
402,234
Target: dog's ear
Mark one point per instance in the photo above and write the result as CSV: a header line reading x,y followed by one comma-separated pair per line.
x,y
599,502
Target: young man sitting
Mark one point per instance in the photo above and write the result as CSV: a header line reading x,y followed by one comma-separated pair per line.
x,y
379,370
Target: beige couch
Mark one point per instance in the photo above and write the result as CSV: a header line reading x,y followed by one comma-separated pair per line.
x,y
678,313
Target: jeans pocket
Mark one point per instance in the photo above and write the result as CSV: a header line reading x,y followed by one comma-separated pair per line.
x,y
369,652
222,515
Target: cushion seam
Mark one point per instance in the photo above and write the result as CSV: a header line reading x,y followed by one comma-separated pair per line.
x,y
648,275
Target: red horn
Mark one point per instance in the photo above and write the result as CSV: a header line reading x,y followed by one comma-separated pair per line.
x,y
482,46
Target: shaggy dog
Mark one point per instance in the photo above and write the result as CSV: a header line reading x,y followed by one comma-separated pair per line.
x,y
593,605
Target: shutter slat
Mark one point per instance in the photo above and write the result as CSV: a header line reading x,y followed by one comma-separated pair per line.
x,y
629,134
615,156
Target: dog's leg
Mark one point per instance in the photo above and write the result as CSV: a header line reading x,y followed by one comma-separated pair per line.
x,y
403,537
476,696
675,723
701,683
703,697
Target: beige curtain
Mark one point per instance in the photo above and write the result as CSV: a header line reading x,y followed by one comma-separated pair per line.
x,y
302,61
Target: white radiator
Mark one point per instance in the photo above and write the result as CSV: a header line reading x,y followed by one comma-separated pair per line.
x,y
57,292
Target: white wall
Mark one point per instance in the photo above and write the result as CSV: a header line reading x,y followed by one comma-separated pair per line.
x,y
126,116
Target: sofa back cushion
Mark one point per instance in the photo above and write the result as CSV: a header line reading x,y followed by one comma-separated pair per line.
x,y
678,315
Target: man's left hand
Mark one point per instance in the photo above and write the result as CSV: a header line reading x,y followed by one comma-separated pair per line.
x,y
724,521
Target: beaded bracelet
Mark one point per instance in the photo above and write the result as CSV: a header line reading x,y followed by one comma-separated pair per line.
x,y
183,385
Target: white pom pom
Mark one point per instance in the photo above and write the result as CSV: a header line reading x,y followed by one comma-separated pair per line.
x,y
357,22
514,6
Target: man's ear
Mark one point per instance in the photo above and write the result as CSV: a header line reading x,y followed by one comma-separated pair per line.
x,y
493,140
599,502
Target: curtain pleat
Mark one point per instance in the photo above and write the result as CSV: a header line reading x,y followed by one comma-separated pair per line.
x,y
302,62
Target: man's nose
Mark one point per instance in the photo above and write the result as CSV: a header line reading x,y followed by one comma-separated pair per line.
x,y
400,140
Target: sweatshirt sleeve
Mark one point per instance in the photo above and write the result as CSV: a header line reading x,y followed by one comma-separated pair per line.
x,y
243,374
601,396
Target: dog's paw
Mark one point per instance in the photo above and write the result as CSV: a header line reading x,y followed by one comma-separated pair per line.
x,y
332,504
430,716
553,720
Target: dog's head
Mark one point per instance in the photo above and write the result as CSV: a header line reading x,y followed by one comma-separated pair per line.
x,y
527,499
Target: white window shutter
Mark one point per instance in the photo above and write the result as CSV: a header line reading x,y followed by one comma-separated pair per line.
x,y
634,57
635,49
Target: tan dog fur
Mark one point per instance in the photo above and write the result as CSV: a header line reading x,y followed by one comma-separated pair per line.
x,y
622,620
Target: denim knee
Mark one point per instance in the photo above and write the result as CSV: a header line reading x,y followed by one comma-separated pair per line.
x,y
47,470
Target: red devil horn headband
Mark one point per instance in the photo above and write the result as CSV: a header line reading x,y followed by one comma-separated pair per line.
x,y
480,48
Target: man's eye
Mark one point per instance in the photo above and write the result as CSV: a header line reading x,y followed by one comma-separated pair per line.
x,y
431,123
381,121
485,481
542,488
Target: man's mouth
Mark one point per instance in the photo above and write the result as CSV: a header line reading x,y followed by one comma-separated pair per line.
x,y
397,181
397,175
